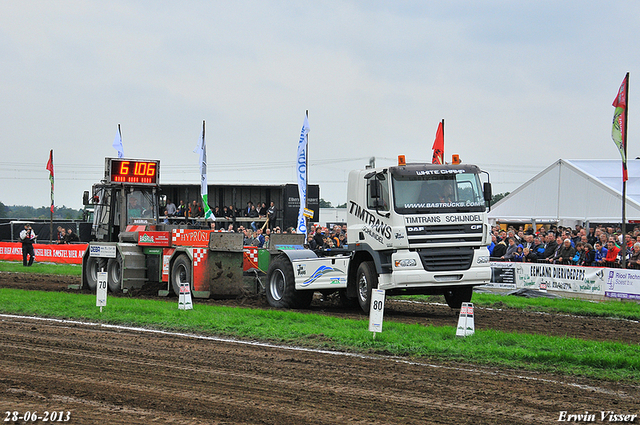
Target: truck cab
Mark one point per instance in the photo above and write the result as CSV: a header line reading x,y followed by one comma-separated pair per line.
x,y
423,226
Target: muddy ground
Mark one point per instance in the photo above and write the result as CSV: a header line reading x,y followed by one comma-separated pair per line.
x,y
126,376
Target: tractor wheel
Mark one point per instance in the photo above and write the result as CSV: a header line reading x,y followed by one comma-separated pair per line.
x,y
181,273
92,266
114,274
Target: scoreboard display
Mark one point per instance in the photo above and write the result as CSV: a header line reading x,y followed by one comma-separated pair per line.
x,y
132,171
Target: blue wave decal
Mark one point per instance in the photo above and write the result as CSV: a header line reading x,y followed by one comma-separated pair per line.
x,y
321,271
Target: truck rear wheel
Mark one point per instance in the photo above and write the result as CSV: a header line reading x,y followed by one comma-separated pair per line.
x,y
92,266
281,287
366,279
456,296
114,274
181,273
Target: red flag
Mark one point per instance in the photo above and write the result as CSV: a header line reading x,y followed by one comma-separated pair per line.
x,y
438,145
618,133
50,168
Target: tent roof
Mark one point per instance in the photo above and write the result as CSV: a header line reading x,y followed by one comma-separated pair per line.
x,y
580,190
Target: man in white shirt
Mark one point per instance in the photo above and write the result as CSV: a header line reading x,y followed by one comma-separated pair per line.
x,y
27,237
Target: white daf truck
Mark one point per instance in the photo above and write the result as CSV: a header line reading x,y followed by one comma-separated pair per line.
x,y
411,229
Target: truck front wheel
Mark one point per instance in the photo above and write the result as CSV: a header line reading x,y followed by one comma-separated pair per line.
x,y
456,296
281,287
366,279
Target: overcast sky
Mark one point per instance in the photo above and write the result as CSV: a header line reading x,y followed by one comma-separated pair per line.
x,y
519,84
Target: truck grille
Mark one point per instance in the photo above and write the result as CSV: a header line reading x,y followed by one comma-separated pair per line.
x,y
446,259
447,233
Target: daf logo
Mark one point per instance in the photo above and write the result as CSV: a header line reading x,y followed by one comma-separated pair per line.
x,y
476,226
415,229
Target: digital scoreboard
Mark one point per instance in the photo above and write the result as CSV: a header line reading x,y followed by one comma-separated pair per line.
x,y
132,171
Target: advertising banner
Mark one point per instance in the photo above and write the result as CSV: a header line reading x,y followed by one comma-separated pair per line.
x,y
573,279
45,253
190,237
153,238
621,283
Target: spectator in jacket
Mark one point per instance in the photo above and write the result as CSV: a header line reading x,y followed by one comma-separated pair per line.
x,y
600,254
519,255
500,249
492,244
578,258
589,255
566,253
512,249
71,237
558,243
550,249
634,261
612,253
529,256
272,215
182,209
539,246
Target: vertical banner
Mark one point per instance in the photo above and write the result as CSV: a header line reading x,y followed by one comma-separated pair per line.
x,y
619,130
117,143
301,170
50,168
438,145
201,149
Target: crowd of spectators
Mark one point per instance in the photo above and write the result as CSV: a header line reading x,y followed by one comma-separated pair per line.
x,y
597,246
322,238
263,216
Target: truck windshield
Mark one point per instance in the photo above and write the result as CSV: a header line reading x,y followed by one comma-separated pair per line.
x,y
139,205
437,193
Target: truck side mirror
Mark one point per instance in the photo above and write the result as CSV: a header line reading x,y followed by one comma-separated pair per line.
x,y
487,192
162,200
85,197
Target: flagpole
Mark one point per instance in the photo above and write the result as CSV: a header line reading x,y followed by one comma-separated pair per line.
x,y
306,180
624,181
51,209
443,157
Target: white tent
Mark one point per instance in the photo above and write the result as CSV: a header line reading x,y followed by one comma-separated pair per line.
x,y
573,192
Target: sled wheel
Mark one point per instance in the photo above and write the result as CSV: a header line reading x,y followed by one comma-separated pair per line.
x,y
280,290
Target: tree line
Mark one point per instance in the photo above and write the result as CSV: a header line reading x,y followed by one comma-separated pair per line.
x,y
23,211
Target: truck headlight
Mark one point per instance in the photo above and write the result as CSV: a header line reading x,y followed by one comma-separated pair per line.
x,y
483,260
406,263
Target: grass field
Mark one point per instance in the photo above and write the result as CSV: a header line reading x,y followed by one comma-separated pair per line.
x,y
43,268
604,360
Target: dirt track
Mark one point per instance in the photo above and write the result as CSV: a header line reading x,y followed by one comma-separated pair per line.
x,y
110,375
